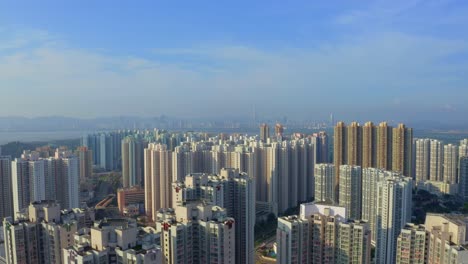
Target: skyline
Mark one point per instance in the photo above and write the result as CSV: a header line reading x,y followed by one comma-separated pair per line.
x,y
403,60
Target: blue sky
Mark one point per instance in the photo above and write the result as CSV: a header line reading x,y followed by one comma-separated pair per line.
x,y
397,60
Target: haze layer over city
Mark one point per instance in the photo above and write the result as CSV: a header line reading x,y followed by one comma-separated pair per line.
x,y
155,132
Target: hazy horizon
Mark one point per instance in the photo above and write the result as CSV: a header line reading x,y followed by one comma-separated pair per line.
x,y
360,60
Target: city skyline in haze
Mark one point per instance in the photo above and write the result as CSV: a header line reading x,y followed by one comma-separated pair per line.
x,y
379,60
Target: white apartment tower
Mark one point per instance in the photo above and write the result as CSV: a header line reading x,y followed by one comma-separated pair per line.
x,y
422,159
350,190
450,163
394,196
436,160
324,182
158,178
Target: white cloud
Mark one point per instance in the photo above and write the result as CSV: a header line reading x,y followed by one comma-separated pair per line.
x,y
50,78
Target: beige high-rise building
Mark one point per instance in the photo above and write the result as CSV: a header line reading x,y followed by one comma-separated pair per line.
x,y
85,156
447,238
463,148
450,164
412,245
369,145
351,190
321,234
197,233
384,146
6,194
436,160
354,144
264,132
354,242
158,178
402,150
422,151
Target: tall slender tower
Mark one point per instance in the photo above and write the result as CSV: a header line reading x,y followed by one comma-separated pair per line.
x,y
86,162
422,159
393,212
264,132
158,178
339,153
351,190
463,178
402,150
369,145
436,158
132,161
384,146
324,182
354,144
6,195
450,163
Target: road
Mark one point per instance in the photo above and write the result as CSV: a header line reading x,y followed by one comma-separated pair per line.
x,y
259,259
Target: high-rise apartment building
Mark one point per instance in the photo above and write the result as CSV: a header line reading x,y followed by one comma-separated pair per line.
x,y
339,152
158,178
369,145
40,234
37,179
463,178
394,196
463,148
321,234
384,146
320,141
85,157
412,245
6,195
354,242
402,150
197,233
133,161
450,164
422,156
447,238
264,132
354,144
351,190
324,182
106,148
370,178
231,190
436,160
